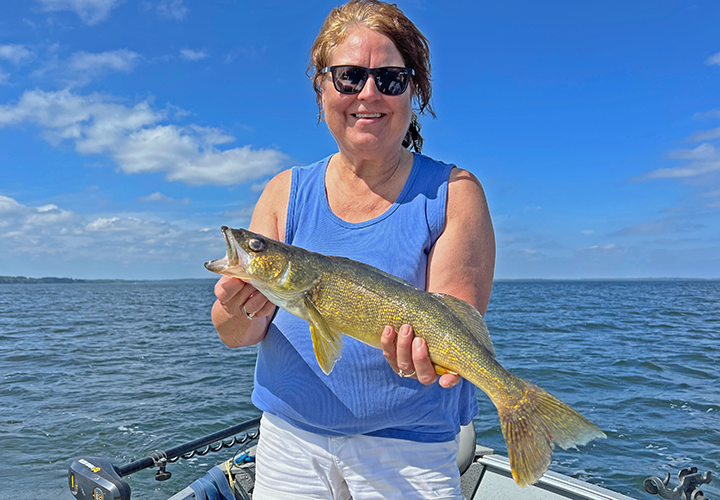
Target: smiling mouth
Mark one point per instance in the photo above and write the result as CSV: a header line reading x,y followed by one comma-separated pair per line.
x,y
368,115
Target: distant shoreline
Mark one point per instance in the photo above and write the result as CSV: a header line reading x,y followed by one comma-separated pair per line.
x,y
528,280
22,280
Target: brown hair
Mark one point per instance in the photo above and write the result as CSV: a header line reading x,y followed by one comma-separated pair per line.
x,y
389,20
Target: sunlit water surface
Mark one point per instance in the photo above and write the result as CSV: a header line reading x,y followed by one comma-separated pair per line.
x,y
120,370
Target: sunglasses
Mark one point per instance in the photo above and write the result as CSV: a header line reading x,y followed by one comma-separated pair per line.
x,y
390,80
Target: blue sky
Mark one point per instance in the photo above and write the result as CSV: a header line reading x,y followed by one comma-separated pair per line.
x,y
130,131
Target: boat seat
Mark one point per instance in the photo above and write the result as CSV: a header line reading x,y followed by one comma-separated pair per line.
x,y
466,451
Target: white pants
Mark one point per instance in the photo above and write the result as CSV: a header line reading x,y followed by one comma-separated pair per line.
x,y
294,464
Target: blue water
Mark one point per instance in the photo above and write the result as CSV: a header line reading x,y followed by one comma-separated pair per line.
x,y
119,370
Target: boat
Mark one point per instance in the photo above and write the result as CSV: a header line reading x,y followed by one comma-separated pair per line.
x,y
484,474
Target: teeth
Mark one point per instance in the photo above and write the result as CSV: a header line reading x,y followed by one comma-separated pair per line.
x,y
368,115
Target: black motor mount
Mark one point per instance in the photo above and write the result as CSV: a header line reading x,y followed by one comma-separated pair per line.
x,y
689,480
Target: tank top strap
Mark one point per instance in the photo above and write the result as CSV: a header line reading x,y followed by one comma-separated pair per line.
x,y
428,180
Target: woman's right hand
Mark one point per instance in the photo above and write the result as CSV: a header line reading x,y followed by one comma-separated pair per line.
x,y
240,313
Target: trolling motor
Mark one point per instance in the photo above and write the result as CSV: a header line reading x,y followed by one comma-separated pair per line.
x,y
98,479
688,478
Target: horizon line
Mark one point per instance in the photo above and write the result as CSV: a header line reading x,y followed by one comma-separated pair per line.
x,y
6,279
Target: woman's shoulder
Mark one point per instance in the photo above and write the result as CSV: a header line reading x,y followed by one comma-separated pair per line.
x,y
277,189
281,183
270,210
464,178
270,214
465,192
461,182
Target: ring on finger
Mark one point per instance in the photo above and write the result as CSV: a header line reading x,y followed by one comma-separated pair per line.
x,y
249,315
403,374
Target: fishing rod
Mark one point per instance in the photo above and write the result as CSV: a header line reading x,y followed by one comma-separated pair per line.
x,y
91,478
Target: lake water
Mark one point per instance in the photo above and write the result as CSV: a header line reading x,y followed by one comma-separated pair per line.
x,y
120,370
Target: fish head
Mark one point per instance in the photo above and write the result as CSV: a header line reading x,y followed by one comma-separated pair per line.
x,y
258,260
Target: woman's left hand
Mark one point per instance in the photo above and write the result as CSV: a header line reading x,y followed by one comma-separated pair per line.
x,y
409,357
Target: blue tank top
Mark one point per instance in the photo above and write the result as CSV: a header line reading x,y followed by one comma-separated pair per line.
x,y
362,395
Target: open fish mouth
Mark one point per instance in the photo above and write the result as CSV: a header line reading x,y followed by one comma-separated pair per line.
x,y
230,260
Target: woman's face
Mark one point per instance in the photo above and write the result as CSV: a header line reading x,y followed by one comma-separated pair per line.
x,y
368,124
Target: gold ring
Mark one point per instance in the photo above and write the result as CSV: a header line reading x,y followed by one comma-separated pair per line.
x,y
403,374
249,316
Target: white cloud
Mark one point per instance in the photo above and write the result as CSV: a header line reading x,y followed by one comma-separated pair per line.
x,y
703,152
240,213
244,52
705,135
705,159
134,139
600,251
657,227
16,54
712,194
523,255
83,67
171,10
4,77
8,205
90,11
34,233
116,60
193,55
259,187
158,196
713,59
19,219
713,113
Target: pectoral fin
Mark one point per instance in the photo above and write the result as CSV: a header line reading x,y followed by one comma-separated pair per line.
x,y
442,371
328,345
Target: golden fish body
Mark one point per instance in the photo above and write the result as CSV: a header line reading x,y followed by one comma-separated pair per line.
x,y
338,296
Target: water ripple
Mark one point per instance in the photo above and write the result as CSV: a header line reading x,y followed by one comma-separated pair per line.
x,y
119,370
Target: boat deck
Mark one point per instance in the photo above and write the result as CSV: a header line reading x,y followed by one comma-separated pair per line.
x,y
488,477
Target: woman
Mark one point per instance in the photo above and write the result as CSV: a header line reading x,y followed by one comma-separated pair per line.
x,y
374,427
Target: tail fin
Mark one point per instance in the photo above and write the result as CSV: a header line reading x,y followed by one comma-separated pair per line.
x,y
530,426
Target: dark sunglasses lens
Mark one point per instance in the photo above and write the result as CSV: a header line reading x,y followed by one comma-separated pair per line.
x,y
349,79
392,81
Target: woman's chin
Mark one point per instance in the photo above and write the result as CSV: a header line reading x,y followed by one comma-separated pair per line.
x,y
371,143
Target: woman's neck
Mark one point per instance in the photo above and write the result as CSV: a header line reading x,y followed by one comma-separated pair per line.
x,y
373,172
362,189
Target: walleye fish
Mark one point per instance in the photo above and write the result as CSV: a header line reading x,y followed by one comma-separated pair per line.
x,y
339,296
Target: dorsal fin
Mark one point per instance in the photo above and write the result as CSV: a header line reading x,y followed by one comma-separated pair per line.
x,y
472,318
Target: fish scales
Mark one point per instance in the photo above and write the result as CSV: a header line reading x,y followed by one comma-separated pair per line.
x,y
338,296
361,306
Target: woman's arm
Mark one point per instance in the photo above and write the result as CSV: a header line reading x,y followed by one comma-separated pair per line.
x,y
237,299
461,264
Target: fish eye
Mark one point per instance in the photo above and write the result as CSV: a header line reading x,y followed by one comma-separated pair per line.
x,y
256,244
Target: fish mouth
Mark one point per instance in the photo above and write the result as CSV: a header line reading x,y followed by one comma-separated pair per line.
x,y
230,261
